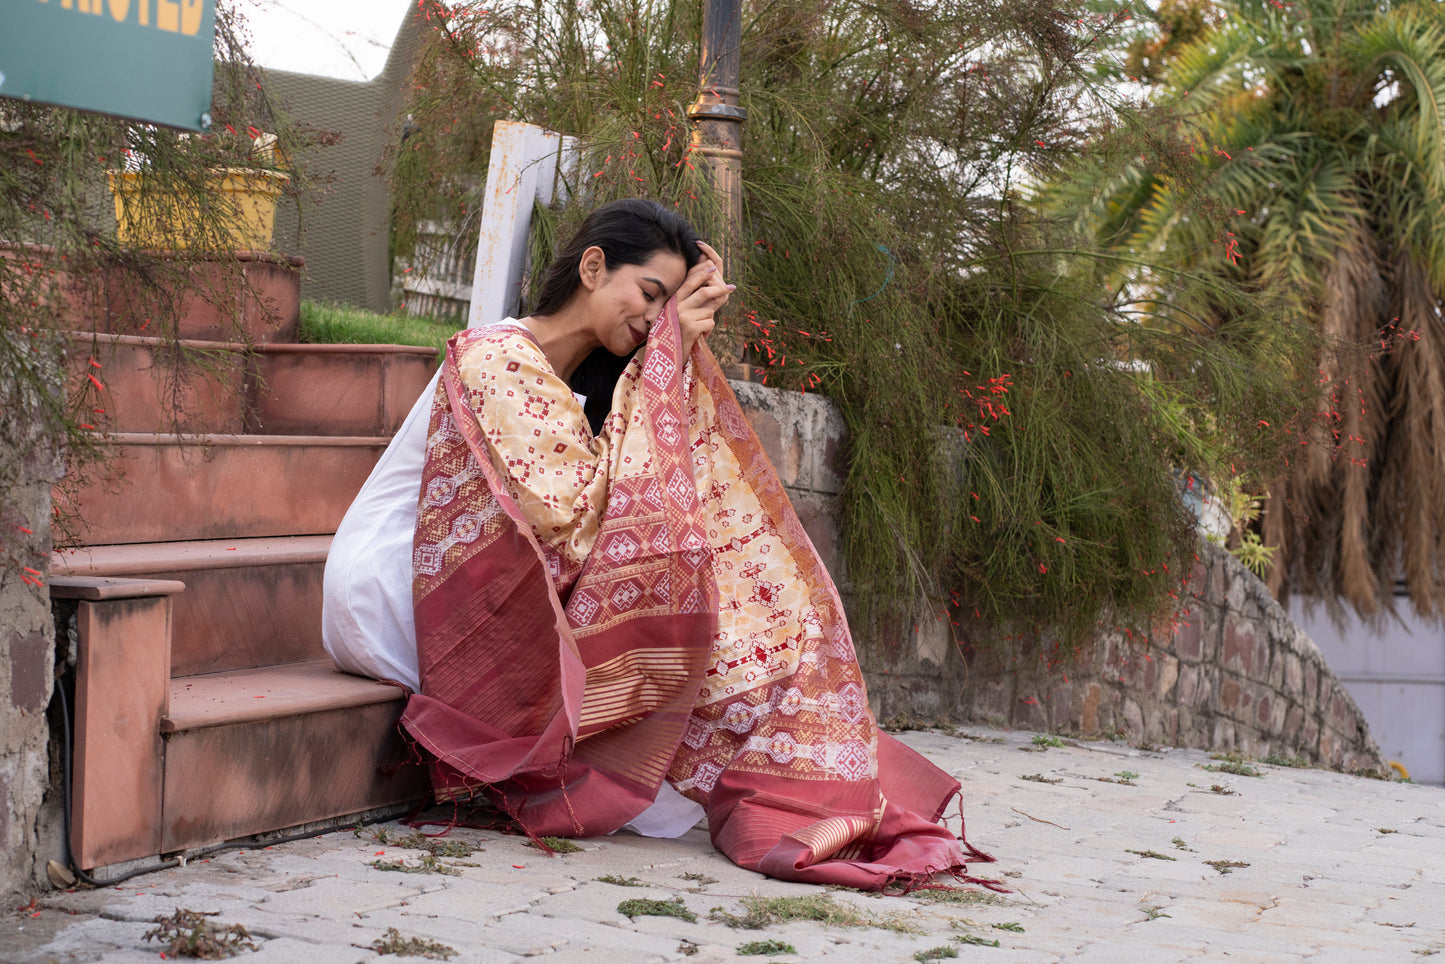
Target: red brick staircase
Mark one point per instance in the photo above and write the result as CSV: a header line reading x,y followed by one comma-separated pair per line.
x,y
205,707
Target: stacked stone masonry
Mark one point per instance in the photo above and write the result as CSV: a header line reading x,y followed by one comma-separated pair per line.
x,y
1234,674
28,805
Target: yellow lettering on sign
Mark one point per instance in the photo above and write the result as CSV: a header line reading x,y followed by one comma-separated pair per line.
x,y
175,16
191,16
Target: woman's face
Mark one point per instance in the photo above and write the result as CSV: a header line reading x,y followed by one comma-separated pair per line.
x,y
626,301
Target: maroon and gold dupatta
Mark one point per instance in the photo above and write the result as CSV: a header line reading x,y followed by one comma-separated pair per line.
x,y
702,642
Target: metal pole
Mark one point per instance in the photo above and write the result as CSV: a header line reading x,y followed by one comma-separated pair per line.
x,y
717,135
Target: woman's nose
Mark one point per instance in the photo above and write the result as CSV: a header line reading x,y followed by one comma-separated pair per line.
x,y
651,314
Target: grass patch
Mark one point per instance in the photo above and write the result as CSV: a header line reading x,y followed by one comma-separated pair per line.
x,y
617,881
329,324
647,907
759,948
1047,741
1040,778
558,845
975,940
416,840
1385,830
1013,926
760,912
1226,866
952,895
427,865
1232,766
935,954
1282,760
188,933
702,880
1151,854
393,943
1179,844
1154,913
1125,778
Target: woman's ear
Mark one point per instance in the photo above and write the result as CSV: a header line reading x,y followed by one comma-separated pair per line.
x,y
591,267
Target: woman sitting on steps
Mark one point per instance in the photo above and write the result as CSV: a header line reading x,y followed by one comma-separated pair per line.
x,y
622,622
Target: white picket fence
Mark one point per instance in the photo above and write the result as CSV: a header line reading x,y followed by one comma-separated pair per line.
x,y
528,165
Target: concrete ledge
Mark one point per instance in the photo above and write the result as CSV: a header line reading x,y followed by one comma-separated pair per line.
x,y
221,699
96,588
120,699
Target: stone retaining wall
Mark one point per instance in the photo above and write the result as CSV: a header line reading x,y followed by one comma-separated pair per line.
x,y
26,662
1235,675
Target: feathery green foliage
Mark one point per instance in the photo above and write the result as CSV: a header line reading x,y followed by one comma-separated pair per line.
x,y
1305,158
1018,419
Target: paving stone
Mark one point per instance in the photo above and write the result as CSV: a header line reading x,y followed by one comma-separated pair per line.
x,y
1323,882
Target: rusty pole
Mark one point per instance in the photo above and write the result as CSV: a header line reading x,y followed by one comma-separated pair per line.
x,y
717,135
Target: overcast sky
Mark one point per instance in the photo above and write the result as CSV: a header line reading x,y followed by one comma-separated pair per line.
x,y
335,38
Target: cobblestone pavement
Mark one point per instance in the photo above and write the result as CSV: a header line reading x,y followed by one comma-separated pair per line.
x,y
1168,862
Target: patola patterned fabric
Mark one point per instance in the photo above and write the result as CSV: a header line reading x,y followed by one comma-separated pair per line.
x,y
596,615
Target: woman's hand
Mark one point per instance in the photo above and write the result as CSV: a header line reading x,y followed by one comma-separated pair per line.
x,y
701,294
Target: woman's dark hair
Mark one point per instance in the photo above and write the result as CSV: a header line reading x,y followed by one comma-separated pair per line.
x,y
629,231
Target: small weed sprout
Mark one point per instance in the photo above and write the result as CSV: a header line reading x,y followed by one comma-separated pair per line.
x,y
393,943
187,933
427,865
1226,866
759,948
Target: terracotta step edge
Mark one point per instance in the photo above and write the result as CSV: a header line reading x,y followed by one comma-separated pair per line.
x,y
98,588
150,341
337,348
202,440
151,557
268,693
237,254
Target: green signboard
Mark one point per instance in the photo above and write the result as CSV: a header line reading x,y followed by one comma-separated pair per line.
x,y
146,59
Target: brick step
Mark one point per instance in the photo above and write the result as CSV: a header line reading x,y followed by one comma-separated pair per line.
x,y
262,749
174,488
247,602
151,385
250,295
337,389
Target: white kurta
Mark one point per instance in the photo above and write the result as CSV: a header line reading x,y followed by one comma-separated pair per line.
x,y
367,624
